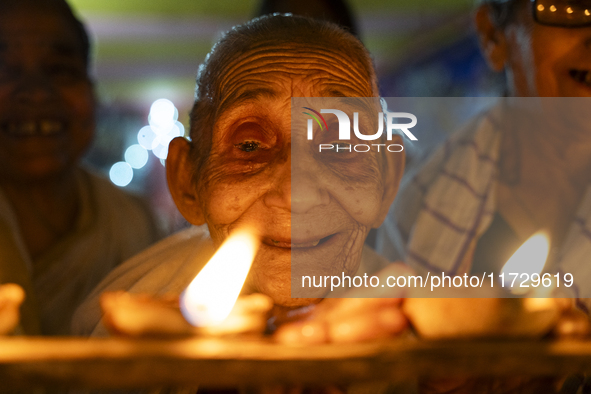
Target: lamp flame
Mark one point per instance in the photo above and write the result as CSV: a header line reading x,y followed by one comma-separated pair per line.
x,y
530,258
210,297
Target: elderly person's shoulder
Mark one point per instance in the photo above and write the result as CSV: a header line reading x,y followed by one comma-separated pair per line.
x,y
128,215
165,268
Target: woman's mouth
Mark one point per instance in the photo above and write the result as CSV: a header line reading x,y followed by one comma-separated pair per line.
x,y
296,245
581,76
28,128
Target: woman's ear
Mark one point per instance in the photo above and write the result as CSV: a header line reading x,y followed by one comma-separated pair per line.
x,y
492,39
393,171
179,173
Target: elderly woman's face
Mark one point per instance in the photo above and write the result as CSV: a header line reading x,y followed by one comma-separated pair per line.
x,y
250,179
46,98
544,61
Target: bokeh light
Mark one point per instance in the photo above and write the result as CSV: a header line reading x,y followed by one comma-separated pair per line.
x,y
161,151
181,128
162,112
121,173
137,156
146,137
163,127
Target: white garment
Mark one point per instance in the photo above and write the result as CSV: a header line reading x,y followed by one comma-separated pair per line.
x,y
165,268
112,225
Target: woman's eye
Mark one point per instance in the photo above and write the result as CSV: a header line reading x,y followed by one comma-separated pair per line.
x,y
248,146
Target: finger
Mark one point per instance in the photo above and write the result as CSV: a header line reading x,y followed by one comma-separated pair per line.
x,y
396,268
369,326
11,297
282,315
12,294
565,304
573,324
347,307
311,332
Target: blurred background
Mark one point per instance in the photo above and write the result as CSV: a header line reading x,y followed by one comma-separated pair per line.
x,y
149,50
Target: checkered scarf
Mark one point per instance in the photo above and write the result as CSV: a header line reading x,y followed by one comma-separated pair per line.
x,y
450,202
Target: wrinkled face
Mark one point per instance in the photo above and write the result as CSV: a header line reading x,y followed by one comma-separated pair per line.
x,y
252,177
547,61
46,97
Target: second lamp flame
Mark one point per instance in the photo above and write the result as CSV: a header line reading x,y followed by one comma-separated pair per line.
x,y
210,297
530,258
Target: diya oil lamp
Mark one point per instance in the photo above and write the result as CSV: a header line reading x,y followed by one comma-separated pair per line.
x,y
210,305
11,297
474,313
211,301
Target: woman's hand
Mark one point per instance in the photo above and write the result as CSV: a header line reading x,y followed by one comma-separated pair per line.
x,y
353,319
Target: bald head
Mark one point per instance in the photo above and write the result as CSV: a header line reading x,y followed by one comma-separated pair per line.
x,y
315,58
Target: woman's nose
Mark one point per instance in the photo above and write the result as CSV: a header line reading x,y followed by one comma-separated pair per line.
x,y
307,187
279,194
306,195
298,185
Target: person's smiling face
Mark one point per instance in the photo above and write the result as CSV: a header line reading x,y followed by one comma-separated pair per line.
x,y
540,60
301,207
46,97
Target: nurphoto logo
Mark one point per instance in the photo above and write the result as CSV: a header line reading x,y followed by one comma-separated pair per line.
x,y
391,119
